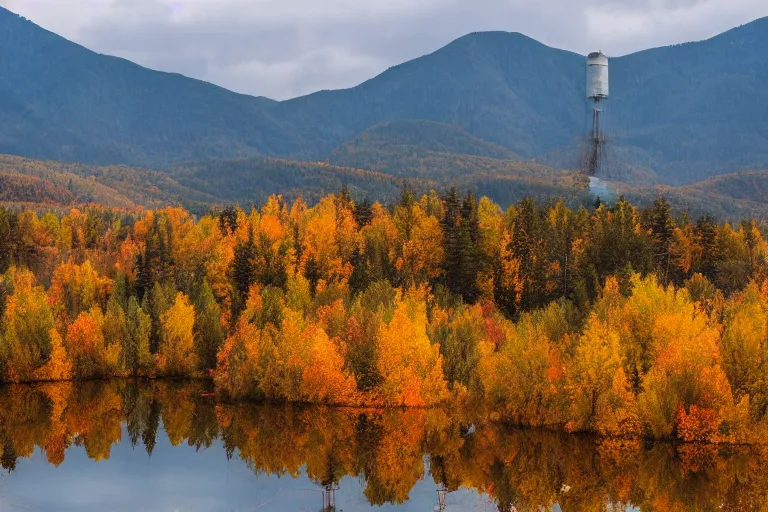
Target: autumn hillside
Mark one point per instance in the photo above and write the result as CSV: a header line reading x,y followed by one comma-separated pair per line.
x,y
202,185
198,186
728,197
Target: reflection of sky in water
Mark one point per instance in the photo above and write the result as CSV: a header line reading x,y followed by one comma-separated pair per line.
x,y
185,480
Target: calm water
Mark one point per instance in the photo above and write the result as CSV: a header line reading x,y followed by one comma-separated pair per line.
x,y
125,446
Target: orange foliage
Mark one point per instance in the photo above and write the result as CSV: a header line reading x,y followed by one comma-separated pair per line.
x,y
324,379
59,366
91,354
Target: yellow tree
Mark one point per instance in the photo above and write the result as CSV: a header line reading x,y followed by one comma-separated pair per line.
x,y
522,382
685,378
77,288
745,348
176,356
491,223
238,368
420,244
602,399
330,237
28,322
410,366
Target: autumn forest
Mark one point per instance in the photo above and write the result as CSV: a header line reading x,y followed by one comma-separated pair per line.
x,y
613,320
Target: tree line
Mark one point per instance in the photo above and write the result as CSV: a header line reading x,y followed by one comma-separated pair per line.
x,y
613,319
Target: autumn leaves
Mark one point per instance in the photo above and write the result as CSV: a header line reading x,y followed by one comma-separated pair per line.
x,y
615,321
302,361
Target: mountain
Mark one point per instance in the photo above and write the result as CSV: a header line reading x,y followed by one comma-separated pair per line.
x,y
698,109
423,149
61,101
679,114
415,139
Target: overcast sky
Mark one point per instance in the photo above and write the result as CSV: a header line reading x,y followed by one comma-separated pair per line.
x,y
285,48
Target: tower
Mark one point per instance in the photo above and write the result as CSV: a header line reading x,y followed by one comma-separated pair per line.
x,y
597,95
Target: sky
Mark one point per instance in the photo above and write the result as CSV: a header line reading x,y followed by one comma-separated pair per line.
x,y
286,48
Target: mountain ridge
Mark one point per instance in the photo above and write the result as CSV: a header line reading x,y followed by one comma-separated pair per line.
x,y
673,111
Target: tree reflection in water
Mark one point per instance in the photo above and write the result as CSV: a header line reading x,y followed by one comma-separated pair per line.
x,y
526,469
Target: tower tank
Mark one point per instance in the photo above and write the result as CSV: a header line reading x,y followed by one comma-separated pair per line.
x,y
597,77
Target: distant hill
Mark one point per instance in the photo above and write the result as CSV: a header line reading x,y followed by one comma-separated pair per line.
x,y
252,180
680,113
197,186
423,149
747,185
247,181
413,140
202,185
33,181
730,197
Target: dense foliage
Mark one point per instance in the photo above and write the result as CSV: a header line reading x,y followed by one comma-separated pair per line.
x,y
613,320
384,451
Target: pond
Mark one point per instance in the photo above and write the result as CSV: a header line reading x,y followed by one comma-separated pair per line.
x,y
169,446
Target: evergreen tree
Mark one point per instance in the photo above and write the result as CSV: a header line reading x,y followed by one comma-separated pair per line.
x,y
461,235
363,212
360,278
144,277
149,436
7,239
706,230
8,456
658,221
471,257
157,302
344,199
210,334
136,352
312,273
228,220
451,224
527,246
271,270
243,271
121,290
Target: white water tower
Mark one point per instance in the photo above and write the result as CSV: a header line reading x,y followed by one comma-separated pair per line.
x,y
597,77
598,87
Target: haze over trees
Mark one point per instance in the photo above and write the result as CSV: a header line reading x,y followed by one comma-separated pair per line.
x,y
616,320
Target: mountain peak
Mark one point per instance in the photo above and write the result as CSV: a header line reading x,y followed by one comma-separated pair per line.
x,y
674,109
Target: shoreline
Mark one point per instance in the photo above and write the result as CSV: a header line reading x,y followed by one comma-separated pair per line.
x,y
475,418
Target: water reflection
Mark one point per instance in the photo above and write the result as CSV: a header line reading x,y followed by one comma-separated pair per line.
x,y
305,458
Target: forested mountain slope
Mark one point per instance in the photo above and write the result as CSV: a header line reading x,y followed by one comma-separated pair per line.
x,y
686,112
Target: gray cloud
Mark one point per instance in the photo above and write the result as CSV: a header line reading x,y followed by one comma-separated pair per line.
x,y
284,48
